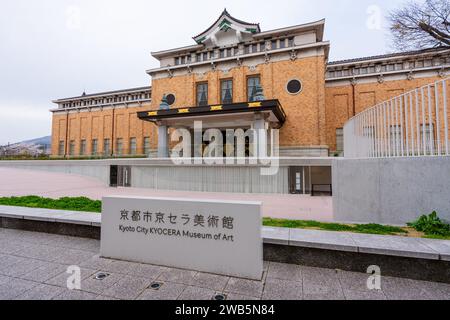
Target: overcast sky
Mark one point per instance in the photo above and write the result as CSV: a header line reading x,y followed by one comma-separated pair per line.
x,y
58,48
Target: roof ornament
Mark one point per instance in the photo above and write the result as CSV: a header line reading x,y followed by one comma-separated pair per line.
x,y
293,55
266,58
259,95
225,23
164,104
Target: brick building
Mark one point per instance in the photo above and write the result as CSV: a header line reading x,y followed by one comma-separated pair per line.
x,y
238,76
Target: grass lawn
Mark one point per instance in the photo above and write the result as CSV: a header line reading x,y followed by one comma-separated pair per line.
x,y
315,225
88,205
71,204
355,228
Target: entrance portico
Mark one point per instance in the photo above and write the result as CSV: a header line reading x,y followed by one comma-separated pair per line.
x,y
261,116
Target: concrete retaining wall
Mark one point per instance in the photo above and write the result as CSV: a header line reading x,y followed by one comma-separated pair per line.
x,y
162,174
93,169
210,179
391,191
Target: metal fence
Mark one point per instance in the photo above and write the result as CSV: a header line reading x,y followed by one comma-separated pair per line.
x,y
413,124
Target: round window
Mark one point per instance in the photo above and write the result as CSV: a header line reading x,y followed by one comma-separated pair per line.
x,y
294,86
170,99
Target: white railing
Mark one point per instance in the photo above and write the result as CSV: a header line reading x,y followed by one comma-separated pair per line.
x,y
413,124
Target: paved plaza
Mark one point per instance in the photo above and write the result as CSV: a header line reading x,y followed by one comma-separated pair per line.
x,y
18,182
33,266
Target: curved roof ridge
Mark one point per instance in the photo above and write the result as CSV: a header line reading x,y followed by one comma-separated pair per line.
x,y
227,14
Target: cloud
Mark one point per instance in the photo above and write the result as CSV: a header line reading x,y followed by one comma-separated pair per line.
x,y
22,121
55,49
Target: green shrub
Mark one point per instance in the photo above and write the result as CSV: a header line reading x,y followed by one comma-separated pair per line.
x,y
431,225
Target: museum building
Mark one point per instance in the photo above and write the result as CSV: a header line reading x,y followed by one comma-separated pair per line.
x,y
239,76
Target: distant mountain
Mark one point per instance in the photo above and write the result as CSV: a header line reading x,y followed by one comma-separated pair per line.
x,y
32,147
43,141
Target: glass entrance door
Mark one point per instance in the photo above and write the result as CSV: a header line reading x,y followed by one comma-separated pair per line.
x,y
296,182
120,176
299,180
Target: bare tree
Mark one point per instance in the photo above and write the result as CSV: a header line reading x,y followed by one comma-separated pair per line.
x,y
421,25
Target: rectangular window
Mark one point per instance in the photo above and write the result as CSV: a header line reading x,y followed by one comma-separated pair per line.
x,y
396,138
205,56
198,57
226,93
177,61
222,53
94,147
246,49
282,43
133,146
212,55
106,147
202,94
83,147
340,139
146,145
72,148
262,46
119,146
274,44
291,42
429,138
252,84
61,148
254,48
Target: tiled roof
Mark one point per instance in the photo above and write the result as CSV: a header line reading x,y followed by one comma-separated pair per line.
x,y
107,93
390,55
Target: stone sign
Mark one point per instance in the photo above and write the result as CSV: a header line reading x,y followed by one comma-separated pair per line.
x,y
220,237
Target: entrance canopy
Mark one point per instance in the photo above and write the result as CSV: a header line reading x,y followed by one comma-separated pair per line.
x,y
236,115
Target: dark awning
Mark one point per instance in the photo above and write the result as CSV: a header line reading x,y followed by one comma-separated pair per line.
x,y
272,108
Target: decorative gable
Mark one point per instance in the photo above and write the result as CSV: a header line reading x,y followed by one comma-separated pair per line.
x,y
227,30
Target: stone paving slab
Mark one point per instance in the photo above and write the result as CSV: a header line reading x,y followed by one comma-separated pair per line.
x,y
443,247
328,240
394,246
278,236
48,280
47,215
